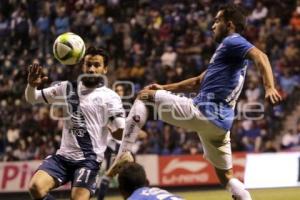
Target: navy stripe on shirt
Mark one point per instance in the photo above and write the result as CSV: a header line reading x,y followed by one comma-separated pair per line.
x,y
79,128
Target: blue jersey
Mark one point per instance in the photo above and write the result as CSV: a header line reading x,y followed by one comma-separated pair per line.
x,y
146,193
223,81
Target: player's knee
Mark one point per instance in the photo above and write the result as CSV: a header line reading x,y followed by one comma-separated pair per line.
x,y
37,190
80,194
224,175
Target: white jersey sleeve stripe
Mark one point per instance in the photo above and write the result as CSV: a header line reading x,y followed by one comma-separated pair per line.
x,y
43,95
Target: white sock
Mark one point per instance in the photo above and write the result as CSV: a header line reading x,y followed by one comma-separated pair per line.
x,y
237,188
134,122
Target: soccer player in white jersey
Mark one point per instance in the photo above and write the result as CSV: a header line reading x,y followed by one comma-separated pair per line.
x,y
94,112
211,112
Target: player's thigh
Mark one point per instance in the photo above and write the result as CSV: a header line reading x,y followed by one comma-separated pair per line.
x,y
84,178
42,183
80,193
176,110
57,167
217,147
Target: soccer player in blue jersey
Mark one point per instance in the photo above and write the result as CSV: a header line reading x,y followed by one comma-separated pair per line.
x,y
95,111
211,112
133,185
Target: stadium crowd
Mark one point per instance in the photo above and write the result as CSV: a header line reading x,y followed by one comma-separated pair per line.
x,y
149,41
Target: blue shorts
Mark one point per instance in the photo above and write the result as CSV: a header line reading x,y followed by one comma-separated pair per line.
x,y
81,173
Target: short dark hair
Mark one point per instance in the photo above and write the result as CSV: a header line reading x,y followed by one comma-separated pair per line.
x,y
236,14
97,51
131,177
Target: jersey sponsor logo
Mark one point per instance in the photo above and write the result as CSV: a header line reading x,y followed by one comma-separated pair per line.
x,y
78,132
53,92
136,118
77,119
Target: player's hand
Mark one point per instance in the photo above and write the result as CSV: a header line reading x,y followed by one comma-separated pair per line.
x,y
273,96
35,76
154,86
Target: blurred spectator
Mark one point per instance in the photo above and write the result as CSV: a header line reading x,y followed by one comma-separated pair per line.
x,y
287,82
169,57
43,27
252,92
295,20
289,140
13,135
21,27
259,13
4,31
148,42
62,22
251,136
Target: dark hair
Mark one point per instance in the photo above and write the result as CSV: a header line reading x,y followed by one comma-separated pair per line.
x,y
97,51
236,14
131,177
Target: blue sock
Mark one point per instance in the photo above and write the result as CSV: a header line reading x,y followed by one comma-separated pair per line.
x,y
104,185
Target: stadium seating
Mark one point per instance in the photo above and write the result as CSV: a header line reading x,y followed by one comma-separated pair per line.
x,y
149,41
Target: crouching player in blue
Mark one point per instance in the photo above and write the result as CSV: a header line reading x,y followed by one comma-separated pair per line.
x,y
133,185
94,112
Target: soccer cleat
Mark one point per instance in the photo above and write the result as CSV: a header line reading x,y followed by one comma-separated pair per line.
x,y
124,158
246,196
234,197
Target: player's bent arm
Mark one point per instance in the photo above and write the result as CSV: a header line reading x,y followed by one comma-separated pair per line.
x,y
33,96
188,85
262,62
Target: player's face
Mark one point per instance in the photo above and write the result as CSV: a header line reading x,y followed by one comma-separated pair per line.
x,y
93,65
120,90
219,28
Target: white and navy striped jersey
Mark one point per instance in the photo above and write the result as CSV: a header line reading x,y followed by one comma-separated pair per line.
x,y
91,115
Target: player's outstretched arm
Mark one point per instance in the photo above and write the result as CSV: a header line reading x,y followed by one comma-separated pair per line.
x,y
188,85
262,62
34,79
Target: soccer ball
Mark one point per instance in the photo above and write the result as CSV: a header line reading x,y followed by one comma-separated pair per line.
x,y
68,48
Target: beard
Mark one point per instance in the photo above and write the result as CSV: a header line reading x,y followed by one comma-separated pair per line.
x,y
219,38
221,35
91,81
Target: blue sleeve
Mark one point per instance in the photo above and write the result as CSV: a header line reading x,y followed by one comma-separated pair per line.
x,y
237,46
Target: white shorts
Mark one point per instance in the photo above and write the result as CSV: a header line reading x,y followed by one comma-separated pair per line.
x,y
181,112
